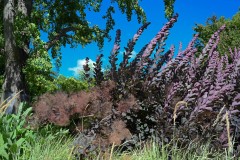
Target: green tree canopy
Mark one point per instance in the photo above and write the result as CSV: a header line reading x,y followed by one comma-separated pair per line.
x,y
229,38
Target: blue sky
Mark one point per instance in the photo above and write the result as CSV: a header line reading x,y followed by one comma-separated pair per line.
x,y
190,12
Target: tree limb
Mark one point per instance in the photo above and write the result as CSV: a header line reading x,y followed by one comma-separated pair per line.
x,y
62,33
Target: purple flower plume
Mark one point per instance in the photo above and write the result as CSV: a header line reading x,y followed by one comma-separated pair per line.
x,y
114,53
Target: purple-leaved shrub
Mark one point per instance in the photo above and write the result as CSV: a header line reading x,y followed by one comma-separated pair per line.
x,y
161,97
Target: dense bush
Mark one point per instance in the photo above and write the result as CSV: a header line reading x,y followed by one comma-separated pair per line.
x,y
69,84
38,86
187,98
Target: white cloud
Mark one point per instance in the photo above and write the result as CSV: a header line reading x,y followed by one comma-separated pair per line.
x,y
134,53
79,66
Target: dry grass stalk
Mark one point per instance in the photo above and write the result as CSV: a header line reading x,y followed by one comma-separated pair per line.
x,y
230,145
176,108
218,116
111,154
5,104
71,153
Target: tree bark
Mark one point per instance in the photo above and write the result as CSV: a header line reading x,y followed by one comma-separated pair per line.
x,y
15,56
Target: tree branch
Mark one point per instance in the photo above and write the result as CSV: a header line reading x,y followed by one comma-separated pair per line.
x,y
62,33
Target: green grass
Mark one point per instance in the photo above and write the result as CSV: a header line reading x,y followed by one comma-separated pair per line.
x,y
154,152
60,148
48,149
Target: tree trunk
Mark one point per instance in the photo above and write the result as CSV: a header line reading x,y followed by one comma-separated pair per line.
x,y
15,56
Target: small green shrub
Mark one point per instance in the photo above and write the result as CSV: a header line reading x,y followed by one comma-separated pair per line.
x,y
19,138
38,86
14,134
70,84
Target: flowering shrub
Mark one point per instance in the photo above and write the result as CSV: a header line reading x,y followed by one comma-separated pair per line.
x,y
188,98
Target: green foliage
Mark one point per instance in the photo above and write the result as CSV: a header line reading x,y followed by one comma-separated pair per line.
x,y
229,38
19,141
129,6
73,28
38,74
45,81
3,148
169,9
14,134
22,32
70,84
